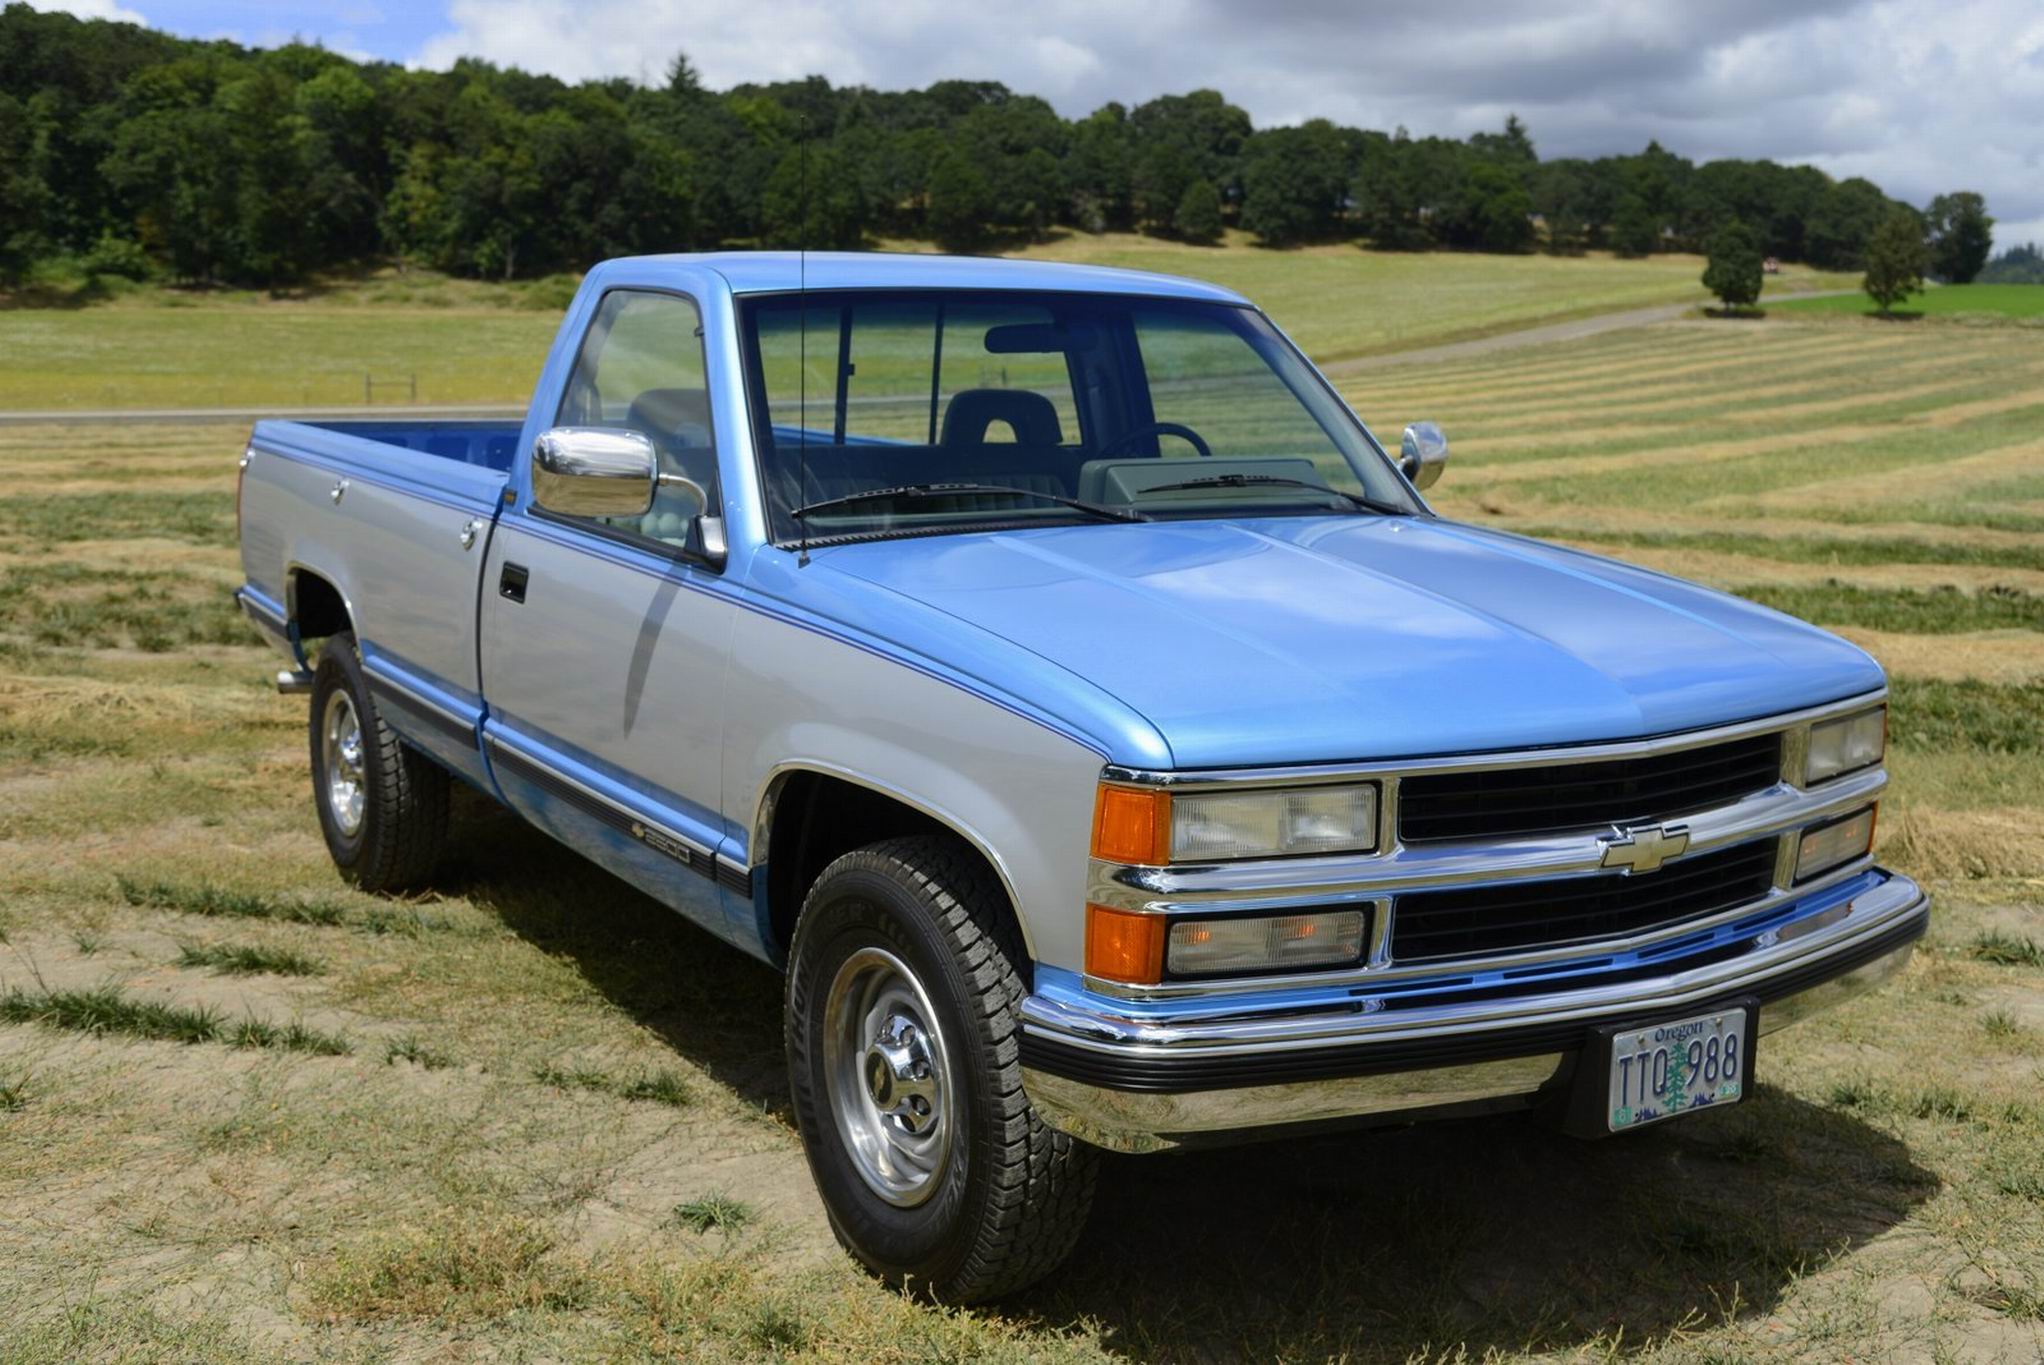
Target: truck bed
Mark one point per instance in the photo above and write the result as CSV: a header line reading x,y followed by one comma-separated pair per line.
x,y
397,515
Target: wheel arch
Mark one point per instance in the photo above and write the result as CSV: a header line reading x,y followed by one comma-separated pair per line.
x,y
314,604
792,839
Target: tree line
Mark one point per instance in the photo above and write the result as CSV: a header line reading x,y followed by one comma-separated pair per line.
x,y
131,152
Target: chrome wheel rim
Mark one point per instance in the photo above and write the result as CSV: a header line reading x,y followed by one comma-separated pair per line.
x,y
888,1076
341,757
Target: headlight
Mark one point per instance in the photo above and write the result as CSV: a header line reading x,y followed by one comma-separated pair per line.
x,y
1213,947
1138,948
1835,844
1846,745
1152,825
1211,827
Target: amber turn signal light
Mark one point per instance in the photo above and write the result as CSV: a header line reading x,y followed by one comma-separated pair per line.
x,y
1132,825
1124,946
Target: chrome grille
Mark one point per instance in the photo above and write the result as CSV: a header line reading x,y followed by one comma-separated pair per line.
x,y
1518,916
1546,799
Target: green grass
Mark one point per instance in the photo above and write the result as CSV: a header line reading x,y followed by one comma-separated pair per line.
x,y
662,1086
714,1212
56,518
1940,716
248,960
1806,549
13,1094
1939,611
155,611
2021,301
474,342
410,1049
220,903
108,1010
2008,950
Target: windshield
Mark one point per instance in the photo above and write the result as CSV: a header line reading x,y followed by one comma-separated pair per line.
x,y
925,411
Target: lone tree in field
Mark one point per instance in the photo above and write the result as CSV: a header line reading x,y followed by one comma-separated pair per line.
x,y
1198,219
1734,271
1961,236
1896,260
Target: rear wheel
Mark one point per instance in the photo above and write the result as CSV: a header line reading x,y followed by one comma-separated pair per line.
x,y
903,1060
382,804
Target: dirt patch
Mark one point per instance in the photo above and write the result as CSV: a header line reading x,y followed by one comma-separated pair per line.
x,y
1989,842
2002,656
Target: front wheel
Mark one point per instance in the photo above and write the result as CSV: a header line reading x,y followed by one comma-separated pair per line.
x,y
904,1063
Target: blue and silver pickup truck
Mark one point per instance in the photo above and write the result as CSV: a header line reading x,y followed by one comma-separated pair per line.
x,y
1047,669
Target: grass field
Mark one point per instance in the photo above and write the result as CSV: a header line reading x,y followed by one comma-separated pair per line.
x,y
467,342
1957,302
246,1114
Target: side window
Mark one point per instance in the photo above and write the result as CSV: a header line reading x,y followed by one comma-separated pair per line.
x,y
641,369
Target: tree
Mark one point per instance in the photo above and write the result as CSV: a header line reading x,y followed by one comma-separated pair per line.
x,y
1735,271
1389,195
1294,182
1565,234
961,202
1896,260
1198,219
1634,232
2018,265
1499,209
1961,236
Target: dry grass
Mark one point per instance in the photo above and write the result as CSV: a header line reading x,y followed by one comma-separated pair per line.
x,y
553,1082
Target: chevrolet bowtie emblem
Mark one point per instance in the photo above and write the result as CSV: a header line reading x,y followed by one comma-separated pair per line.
x,y
1643,848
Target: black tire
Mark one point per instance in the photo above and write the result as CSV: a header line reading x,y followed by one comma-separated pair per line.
x,y
1012,1198
402,826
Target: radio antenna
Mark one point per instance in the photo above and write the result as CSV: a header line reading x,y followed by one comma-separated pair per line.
x,y
802,323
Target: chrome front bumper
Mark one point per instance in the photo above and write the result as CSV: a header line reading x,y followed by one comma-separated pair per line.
x,y
1130,1078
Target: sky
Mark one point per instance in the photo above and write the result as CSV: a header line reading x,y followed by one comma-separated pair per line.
x,y
1919,96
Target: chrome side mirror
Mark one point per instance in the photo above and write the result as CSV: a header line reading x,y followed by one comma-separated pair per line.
x,y
1422,454
594,472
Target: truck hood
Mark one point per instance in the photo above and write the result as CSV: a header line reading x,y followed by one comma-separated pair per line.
x,y
1300,640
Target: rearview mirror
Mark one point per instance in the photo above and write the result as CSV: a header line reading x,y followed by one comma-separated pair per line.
x,y
1422,454
594,472
1039,338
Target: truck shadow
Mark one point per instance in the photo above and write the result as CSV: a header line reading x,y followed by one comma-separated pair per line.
x,y
1486,1234
1390,1244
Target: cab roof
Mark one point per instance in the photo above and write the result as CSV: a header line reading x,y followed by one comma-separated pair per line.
x,y
762,272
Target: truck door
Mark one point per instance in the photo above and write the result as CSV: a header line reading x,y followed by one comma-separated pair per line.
x,y
604,641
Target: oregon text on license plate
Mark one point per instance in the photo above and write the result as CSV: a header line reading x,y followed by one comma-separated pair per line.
x,y
1664,1069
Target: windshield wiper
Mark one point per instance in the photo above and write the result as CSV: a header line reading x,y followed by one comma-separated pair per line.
x,y
1267,480
946,490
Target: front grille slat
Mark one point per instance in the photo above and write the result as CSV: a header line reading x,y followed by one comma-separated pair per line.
x,y
1553,798
1520,916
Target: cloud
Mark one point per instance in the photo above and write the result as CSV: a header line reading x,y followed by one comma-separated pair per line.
x,y
1920,96
89,9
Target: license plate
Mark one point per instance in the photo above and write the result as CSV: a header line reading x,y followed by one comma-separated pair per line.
x,y
1661,1070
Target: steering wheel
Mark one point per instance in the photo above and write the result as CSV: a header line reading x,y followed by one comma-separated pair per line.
x,y
1183,433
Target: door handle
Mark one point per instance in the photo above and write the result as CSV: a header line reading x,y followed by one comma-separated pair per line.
x,y
511,583
340,489
468,532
